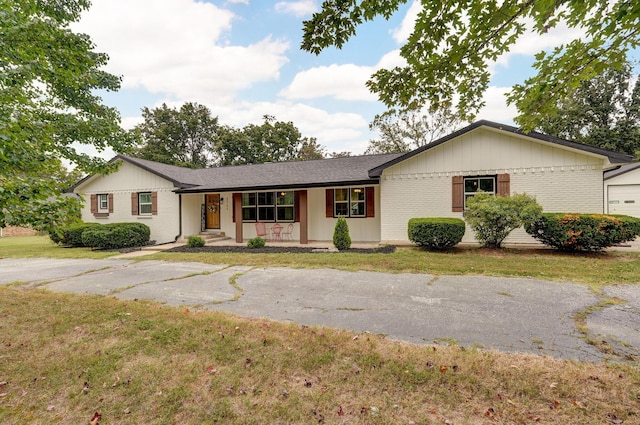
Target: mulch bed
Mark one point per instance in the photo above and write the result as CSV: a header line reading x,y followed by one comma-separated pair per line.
x,y
388,249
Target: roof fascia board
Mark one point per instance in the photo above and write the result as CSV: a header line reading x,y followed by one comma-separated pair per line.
x,y
369,182
175,182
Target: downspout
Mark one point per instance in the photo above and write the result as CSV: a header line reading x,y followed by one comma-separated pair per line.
x,y
179,217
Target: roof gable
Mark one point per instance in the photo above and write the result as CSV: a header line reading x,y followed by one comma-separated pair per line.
x,y
613,157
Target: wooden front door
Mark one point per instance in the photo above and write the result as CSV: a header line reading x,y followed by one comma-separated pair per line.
x,y
212,203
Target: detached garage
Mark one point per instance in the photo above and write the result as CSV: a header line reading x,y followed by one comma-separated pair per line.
x,y
622,190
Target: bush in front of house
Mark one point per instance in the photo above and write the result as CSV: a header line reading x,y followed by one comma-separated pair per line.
x,y
436,233
71,235
583,232
256,242
341,238
116,236
493,217
195,241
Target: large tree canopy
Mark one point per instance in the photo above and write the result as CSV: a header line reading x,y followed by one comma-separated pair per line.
x,y
48,108
185,137
602,112
453,42
410,129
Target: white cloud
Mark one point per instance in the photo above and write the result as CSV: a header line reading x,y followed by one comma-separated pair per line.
x,y
297,8
402,33
496,108
177,48
342,82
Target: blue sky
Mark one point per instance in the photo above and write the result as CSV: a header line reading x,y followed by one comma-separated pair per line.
x,y
241,58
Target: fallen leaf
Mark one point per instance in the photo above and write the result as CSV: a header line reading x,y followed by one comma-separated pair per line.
x,y
186,311
95,420
85,388
354,338
443,369
490,413
51,408
211,370
340,411
614,419
126,411
579,404
553,385
248,362
554,405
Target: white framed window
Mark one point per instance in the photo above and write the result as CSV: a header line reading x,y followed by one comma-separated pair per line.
x,y
475,184
268,206
350,202
103,202
145,203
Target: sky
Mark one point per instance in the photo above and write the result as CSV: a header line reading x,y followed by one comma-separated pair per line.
x,y
242,59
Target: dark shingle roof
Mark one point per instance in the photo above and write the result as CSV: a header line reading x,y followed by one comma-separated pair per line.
x,y
294,174
621,170
614,157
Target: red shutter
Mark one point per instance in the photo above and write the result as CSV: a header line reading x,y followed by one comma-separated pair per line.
x,y
371,201
233,204
110,202
329,202
134,203
504,181
296,206
457,192
94,204
154,203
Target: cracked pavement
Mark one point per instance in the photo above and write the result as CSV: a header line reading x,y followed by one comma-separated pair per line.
x,y
506,314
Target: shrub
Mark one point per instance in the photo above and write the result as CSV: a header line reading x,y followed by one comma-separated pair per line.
x,y
195,242
256,242
583,232
116,235
492,218
71,235
341,238
436,233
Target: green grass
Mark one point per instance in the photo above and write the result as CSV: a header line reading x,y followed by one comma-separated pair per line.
x,y
41,246
65,357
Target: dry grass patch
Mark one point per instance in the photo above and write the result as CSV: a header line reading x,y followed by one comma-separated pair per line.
x,y
65,357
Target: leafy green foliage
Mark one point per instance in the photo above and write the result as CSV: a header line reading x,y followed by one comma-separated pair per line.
x,y
48,106
583,232
116,235
436,233
185,137
273,141
453,43
602,112
256,242
195,241
492,218
71,235
404,131
341,238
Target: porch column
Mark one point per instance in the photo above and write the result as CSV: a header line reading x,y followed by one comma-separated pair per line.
x,y
237,215
304,235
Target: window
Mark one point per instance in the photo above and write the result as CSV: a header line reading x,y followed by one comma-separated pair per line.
x,y
103,202
473,185
464,187
350,202
268,206
144,203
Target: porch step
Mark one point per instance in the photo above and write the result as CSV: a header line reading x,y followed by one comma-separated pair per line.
x,y
211,236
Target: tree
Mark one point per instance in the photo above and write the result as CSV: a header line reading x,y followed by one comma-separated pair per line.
x,y
603,112
49,109
273,141
404,131
453,42
311,149
184,137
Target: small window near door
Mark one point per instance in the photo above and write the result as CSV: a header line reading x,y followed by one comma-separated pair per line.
x,y
103,203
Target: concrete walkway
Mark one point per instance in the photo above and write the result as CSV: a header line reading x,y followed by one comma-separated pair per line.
x,y
507,314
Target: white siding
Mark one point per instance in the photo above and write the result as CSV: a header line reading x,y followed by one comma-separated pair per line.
x,y
560,179
128,179
627,184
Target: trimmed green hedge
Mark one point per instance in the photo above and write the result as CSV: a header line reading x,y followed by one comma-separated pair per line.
x,y
256,242
436,233
195,241
341,238
583,232
116,235
71,235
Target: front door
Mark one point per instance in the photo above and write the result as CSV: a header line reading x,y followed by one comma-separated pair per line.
x,y
212,203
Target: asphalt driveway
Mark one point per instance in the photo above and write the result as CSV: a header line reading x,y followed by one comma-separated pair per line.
x,y
507,314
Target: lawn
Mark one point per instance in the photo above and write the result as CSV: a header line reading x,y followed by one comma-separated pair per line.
x,y
70,359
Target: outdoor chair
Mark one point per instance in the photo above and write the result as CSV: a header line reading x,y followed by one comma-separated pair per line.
x,y
261,230
288,234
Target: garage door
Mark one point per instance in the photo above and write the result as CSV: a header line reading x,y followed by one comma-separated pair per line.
x,y
624,199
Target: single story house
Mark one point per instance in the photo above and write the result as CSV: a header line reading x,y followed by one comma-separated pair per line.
x,y
622,190
377,194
